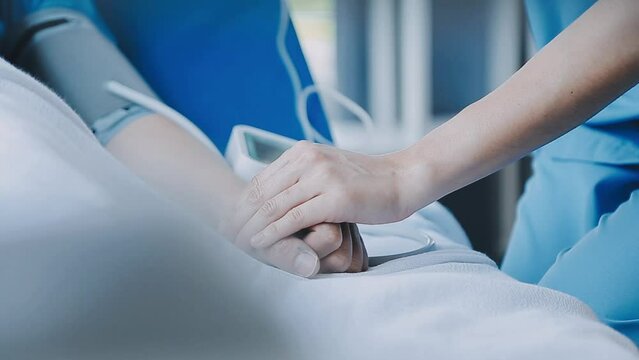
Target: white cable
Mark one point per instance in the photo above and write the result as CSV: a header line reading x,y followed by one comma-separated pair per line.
x,y
159,107
302,94
307,128
340,98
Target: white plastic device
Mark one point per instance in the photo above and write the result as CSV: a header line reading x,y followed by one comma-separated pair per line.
x,y
250,150
393,241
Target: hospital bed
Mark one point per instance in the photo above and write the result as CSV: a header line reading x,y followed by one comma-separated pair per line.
x,y
94,264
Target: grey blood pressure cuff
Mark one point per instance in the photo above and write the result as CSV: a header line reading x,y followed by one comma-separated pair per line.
x,y
65,50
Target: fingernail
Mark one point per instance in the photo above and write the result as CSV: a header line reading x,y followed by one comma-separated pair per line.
x,y
305,264
257,240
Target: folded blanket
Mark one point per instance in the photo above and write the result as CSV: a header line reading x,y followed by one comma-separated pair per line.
x,y
93,264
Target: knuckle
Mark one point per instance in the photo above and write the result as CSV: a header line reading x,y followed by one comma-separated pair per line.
x,y
288,193
307,157
312,154
255,191
254,195
302,146
269,208
296,215
256,181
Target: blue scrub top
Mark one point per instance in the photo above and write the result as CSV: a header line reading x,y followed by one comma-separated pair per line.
x,y
576,227
547,19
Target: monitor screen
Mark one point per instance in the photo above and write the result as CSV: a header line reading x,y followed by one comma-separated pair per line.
x,y
262,149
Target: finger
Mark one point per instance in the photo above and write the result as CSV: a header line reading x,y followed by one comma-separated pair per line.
x,y
279,163
276,166
324,238
273,209
259,191
340,260
296,219
291,255
254,196
357,260
364,251
293,157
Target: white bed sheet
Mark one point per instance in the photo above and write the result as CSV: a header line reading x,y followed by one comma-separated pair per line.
x,y
95,265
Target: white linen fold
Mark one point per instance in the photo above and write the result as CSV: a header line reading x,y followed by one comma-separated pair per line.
x,y
93,264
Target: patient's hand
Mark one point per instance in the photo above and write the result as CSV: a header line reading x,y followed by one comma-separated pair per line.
x,y
339,247
326,248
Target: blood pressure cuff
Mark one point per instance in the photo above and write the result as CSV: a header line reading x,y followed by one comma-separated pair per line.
x,y
66,51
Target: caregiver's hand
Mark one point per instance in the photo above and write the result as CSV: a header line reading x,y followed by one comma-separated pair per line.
x,y
312,184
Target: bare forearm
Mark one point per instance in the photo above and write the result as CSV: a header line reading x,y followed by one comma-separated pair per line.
x,y
175,164
585,68
178,166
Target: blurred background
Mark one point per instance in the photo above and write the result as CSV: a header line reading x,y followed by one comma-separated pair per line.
x,y
413,64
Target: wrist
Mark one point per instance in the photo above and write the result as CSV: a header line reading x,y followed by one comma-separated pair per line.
x,y
414,181
223,209
439,163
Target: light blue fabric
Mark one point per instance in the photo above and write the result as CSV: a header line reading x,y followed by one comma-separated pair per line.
x,y
547,19
577,227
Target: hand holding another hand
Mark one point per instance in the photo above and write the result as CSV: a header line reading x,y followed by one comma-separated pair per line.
x,y
325,248
315,184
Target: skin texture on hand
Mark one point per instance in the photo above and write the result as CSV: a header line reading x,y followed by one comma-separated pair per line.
x,y
336,248
311,184
200,181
